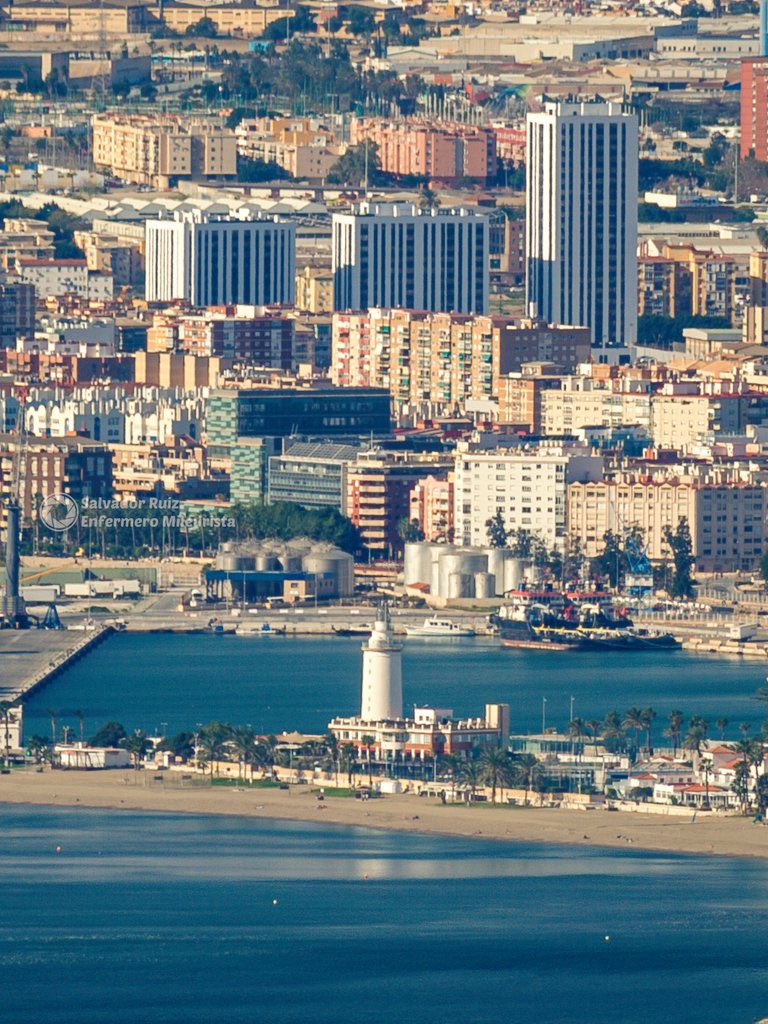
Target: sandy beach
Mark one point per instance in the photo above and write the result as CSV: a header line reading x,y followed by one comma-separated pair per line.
x,y
130,791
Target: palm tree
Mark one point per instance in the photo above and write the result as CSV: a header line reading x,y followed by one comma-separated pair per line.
x,y
495,765
136,745
595,727
368,741
215,740
722,725
52,714
675,728
428,199
707,770
243,743
472,776
634,720
697,733
647,716
347,761
80,716
7,717
527,773
38,746
613,730
577,728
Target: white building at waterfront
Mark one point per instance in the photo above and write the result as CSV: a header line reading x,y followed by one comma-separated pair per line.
x,y
581,221
396,255
210,260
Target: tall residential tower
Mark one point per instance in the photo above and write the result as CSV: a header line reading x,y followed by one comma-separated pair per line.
x,y
396,255
581,227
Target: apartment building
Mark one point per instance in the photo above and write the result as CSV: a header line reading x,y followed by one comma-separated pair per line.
x,y
444,151
17,310
690,280
432,507
62,465
314,290
161,150
123,258
526,485
683,416
379,486
243,334
726,515
583,402
25,238
312,474
242,20
754,108
302,146
442,361
51,277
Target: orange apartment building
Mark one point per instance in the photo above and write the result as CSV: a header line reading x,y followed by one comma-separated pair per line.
x,y
444,359
443,151
754,108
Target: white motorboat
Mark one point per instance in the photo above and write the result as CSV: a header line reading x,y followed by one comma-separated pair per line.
x,y
439,628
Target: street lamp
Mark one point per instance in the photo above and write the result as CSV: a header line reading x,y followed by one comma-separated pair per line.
x,y
543,715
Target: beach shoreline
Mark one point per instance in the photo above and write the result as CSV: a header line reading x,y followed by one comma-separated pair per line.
x,y
127,790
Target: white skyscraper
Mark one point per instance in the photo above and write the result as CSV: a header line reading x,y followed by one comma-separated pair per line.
x,y
382,696
217,261
396,255
581,221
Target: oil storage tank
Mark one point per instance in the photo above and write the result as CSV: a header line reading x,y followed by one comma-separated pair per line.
x,y
465,561
334,563
485,585
417,563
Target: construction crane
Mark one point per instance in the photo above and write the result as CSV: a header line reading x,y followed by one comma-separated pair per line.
x,y
14,613
639,579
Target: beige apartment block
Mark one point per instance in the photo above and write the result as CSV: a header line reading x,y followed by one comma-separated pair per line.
x,y
581,402
680,420
178,370
157,152
229,18
726,517
431,507
314,290
444,151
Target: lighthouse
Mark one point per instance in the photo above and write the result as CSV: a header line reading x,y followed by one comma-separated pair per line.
x,y
382,695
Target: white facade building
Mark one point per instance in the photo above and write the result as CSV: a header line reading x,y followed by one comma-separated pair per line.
x,y
65,277
214,261
528,486
581,222
396,255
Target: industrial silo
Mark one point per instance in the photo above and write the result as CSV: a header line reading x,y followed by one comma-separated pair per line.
x,y
467,562
485,585
335,563
417,564
460,585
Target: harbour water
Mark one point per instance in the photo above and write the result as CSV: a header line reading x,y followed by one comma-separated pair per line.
x,y
183,918
166,682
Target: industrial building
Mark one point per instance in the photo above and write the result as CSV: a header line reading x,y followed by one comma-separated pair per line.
x,y
450,572
292,571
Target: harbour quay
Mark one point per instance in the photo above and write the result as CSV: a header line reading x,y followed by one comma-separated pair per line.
x,y
30,658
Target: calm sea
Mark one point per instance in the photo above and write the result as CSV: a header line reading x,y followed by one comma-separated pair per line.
x,y
174,918
166,682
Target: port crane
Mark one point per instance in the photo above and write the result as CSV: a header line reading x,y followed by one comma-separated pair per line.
x,y
13,612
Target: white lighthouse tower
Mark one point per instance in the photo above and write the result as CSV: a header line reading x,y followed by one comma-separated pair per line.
x,y
382,698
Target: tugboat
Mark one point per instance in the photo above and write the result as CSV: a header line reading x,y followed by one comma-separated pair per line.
x,y
562,624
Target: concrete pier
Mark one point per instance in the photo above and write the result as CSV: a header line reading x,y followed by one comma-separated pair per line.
x,y
30,658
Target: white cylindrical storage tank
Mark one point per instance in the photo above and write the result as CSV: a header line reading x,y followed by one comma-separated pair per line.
x,y
266,563
514,571
417,564
485,585
496,558
336,563
467,562
461,585
291,563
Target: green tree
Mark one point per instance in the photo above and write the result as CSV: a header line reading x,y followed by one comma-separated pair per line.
x,y
251,171
647,717
39,747
409,531
679,543
368,742
215,741
696,734
428,199
722,725
610,561
136,744
472,775
614,734
496,531
205,27
358,163
109,735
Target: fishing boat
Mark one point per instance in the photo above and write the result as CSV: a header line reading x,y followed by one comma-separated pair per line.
x,y
365,629
440,628
560,623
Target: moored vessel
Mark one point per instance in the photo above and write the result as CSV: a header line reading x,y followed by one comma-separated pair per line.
x,y
437,628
